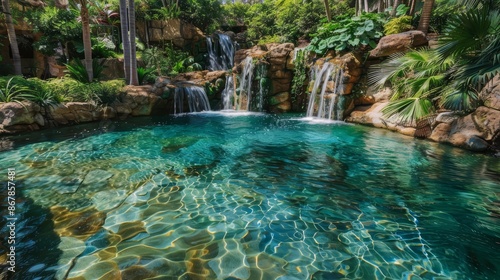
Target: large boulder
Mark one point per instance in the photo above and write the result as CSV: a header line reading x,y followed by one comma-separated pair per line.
x,y
14,113
373,116
400,42
491,93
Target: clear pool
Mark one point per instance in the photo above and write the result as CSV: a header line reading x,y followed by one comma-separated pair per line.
x,y
249,196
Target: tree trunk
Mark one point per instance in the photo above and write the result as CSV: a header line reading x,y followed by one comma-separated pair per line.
x,y
125,39
87,44
327,9
11,31
396,4
413,3
366,6
134,80
380,8
423,24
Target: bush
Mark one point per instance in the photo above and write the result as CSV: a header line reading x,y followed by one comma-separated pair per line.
x,y
78,72
98,92
348,34
398,25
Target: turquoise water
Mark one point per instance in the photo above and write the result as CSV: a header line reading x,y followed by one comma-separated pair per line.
x,y
225,196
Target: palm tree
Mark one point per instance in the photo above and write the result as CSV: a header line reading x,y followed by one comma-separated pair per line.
x,y
87,44
16,57
127,21
425,18
134,80
125,39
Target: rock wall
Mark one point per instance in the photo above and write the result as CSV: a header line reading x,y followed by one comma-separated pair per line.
x,y
478,131
180,33
278,58
26,116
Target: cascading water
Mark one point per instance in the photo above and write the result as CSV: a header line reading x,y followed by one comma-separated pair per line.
x,y
220,52
228,93
197,99
325,104
243,99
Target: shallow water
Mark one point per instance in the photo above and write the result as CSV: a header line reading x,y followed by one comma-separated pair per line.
x,y
249,196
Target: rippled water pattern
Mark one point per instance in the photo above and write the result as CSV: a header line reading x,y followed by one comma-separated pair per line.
x,y
228,196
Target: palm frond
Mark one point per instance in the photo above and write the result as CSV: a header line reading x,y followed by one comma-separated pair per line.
x,y
460,99
407,111
468,32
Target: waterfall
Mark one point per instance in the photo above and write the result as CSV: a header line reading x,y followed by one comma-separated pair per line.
x,y
220,52
326,103
197,99
228,93
244,97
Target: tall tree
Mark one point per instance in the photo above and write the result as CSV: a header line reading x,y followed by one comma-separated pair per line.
x,y
396,4
87,44
127,20
16,57
425,18
134,80
125,39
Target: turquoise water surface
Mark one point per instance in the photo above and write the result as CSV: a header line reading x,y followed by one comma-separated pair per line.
x,y
249,196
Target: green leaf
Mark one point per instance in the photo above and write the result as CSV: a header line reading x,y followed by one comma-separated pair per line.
x,y
369,25
360,30
354,42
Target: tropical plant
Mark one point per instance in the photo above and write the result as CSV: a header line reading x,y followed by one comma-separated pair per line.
x,y
417,78
143,73
348,34
398,25
185,65
299,75
78,71
154,58
59,28
205,14
11,92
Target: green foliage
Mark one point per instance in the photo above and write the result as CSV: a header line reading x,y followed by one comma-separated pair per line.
x,y
268,39
143,74
154,58
398,25
289,20
418,79
348,34
99,92
59,27
234,13
10,91
78,72
205,14
299,75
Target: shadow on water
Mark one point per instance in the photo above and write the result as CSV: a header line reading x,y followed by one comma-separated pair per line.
x,y
35,237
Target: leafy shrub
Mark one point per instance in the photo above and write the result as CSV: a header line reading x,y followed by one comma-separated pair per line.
x,y
78,72
348,34
98,92
398,25
287,19
269,39
10,91
143,74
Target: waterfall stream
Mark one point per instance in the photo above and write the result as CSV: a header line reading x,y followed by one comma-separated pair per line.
x,y
220,52
195,96
324,100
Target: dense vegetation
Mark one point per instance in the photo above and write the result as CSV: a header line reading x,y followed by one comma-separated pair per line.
x,y
423,80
